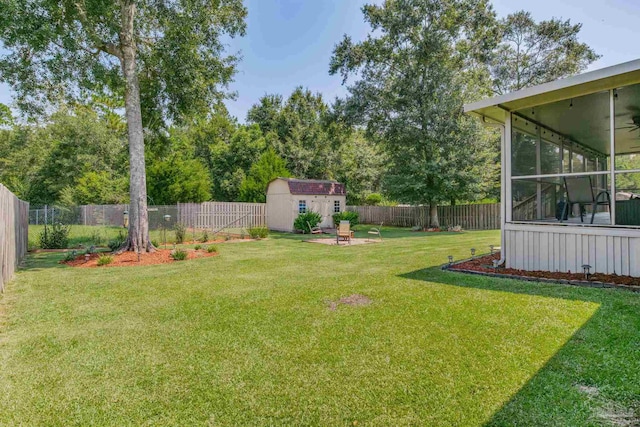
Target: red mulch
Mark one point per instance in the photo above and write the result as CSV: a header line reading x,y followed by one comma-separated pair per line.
x,y
128,259
484,264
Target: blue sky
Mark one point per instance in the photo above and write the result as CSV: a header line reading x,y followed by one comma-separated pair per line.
x,y
289,42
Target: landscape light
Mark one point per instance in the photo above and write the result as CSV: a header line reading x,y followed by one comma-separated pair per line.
x,y
473,252
586,268
450,259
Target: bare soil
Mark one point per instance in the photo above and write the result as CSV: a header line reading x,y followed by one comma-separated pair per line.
x,y
353,300
484,264
129,259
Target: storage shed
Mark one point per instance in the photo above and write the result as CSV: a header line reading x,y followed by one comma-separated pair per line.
x,y
288,197
571,172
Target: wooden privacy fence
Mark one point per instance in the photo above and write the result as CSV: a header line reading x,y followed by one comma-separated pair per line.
x,y
14,224
217,215
469,217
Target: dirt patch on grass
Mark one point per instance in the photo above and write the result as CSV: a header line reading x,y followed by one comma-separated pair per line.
x,y
356,300
129,259
484,264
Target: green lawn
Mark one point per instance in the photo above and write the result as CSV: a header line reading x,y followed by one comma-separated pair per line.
x,y
247,338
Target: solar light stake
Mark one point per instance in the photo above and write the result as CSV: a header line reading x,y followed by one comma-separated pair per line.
x,y
473,252
587,271
492,248
450,259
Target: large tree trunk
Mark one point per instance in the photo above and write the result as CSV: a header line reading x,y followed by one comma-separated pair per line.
x,y
138,239
433,215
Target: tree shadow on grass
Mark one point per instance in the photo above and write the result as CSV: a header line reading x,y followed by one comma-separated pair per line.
x,y
37,261
594,379
361,231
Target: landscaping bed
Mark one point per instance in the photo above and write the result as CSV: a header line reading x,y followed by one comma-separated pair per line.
x,y
484,264
128,259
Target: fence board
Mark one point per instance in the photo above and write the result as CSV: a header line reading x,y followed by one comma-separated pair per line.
x,y
14,225
469,217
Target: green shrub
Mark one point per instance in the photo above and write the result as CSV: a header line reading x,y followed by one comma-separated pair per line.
x,y
211,249
258,232
205,237
70,256
117,243
55,236
373,199
179,255
197,247
350,216
181,231
155,243
105,260
303,221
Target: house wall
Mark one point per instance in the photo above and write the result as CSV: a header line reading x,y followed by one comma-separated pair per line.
x,y
568,248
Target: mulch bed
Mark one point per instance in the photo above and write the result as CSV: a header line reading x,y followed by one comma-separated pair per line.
x,y
484,265
129,259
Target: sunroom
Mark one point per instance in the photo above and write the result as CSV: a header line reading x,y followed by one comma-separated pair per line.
x,y
571,172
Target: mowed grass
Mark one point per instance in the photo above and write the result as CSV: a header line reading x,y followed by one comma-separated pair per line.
x,y
248,338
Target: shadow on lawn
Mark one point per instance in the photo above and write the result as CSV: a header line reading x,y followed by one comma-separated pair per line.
x,y
361,231
37,261
595,376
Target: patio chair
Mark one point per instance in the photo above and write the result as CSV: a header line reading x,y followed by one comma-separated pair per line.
x,y
314,230
580,192
343,232
376,231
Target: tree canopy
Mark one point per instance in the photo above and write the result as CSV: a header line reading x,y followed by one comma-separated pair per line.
x,y
414,70
533,53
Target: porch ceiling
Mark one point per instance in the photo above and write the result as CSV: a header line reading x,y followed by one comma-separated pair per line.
x,y
587,121
617,76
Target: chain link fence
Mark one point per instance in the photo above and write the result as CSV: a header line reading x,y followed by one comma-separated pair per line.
x,y
104,215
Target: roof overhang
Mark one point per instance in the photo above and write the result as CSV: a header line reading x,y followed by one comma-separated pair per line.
x,y
613,77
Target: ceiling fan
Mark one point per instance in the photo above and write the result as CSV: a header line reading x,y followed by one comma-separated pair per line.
x,y
634,125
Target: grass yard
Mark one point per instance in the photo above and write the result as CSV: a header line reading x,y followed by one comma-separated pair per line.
x,y
249,338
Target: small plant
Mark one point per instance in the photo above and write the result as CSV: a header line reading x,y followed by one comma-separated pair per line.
x,y
227,237
197,247
258,232
205,237
242,234
97,237
55,236
179,255
70,256
117,243
104,260
304,220
155,243
181,231
212,249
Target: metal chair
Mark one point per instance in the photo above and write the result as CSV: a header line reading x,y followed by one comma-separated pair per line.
x,y
579,191
376,231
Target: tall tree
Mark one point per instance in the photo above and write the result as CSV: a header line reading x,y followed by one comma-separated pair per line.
x,y
532,53
165,57
268,167
415,68
301,128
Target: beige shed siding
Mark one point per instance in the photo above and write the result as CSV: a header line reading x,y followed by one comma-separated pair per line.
x,y
282,206
553,248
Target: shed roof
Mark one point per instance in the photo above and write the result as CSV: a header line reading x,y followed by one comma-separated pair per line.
x,y
315,187
624,74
